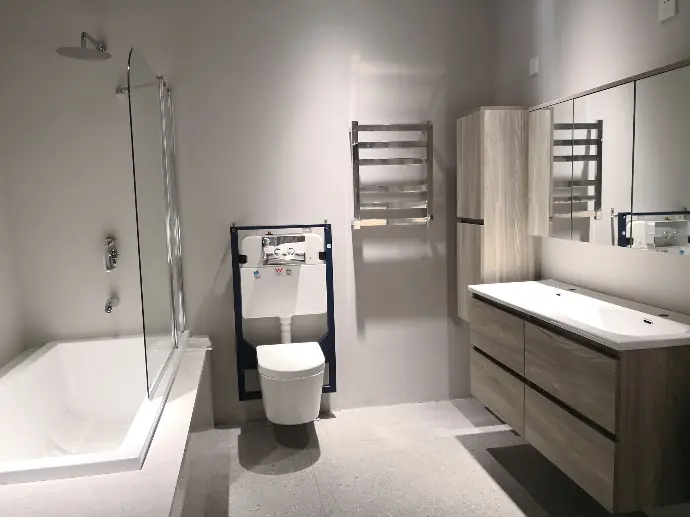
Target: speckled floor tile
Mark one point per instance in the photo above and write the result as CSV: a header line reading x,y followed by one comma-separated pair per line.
x,y
284,495
406,424
443,459
433,478
270,472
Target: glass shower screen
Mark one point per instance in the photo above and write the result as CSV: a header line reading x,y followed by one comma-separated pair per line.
x,y
151,195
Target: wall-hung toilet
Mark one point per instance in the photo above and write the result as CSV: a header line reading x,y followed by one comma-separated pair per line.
x,y
291,376
284,276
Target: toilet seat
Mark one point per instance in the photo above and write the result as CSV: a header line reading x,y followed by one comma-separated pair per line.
x,y
290,360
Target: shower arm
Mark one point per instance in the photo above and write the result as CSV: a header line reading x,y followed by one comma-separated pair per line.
x,y
86,36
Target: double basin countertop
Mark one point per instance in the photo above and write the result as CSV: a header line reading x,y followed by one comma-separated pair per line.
x,y
616,323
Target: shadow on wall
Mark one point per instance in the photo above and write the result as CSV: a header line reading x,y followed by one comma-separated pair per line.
x,y
394,272
216,319
399,270
536,486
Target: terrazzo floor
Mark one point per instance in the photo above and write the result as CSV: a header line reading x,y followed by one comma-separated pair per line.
x,y
435,459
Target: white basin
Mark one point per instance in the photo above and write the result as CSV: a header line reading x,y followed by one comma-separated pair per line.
x,y
588,314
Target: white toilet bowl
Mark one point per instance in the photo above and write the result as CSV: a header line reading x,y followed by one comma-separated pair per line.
x,y
291,381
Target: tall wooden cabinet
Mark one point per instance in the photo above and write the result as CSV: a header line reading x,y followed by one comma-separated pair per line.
x,y
493,242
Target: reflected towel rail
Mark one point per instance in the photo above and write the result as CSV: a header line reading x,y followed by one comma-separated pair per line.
x,y
593,143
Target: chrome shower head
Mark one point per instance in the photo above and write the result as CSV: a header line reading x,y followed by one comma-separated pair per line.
x,y
99,53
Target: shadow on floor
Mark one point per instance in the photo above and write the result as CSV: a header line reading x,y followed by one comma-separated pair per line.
x,y
207,470
537,486
275,450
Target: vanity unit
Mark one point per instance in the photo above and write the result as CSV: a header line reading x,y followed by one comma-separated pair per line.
x,y
596,384
492,237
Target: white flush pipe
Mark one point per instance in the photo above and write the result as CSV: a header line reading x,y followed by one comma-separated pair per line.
x,y
285,330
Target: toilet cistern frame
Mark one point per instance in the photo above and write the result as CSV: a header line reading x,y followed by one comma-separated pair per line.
x,y
245,351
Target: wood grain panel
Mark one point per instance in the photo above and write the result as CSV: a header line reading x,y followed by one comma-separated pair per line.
x,y
539,183
583,454
499,334
508,253
498,390
470,237
582,378
470,203
653,450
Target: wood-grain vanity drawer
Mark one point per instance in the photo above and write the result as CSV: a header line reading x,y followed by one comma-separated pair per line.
x,y
583,454
498,390
498,333
582,378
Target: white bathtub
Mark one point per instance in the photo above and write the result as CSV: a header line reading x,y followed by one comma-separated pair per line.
x,y
78,408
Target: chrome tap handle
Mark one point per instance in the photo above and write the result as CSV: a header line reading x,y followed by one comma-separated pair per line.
x,y
110,254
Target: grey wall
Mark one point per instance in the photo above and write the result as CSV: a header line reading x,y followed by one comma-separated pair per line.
x,y
151,201
662,154
263,139
583,44
64,142
10,322
265,92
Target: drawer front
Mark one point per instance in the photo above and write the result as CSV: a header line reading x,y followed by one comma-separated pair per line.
x,y
583,454
498,390
583,379
498,333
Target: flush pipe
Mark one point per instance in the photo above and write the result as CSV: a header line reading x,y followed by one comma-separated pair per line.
x,y
285,330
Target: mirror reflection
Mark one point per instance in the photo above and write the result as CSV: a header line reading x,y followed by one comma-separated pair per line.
x,y
611,167
602,166
562,171
661,198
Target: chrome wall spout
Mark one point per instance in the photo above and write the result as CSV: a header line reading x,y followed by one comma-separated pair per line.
x,y
111,303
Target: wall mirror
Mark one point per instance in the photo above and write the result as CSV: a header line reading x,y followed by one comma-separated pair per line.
x,y
611,166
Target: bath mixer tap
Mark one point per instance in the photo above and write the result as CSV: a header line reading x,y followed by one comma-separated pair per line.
x,y
110,254
111,303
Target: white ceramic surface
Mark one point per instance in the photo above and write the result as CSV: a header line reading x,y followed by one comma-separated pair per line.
x,y
78,408
292,401
585,313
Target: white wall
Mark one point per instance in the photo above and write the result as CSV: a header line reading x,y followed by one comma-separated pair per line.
x,y
583,44
265,92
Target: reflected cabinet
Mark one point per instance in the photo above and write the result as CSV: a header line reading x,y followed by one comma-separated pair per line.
x,y
611,167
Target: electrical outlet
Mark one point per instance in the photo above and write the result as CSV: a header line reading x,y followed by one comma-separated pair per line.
x,y
534,66
667,9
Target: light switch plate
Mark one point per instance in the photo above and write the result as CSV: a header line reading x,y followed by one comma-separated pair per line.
x,y
667,9
534,66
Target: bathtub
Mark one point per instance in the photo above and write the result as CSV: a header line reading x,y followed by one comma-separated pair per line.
x,y
78,408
